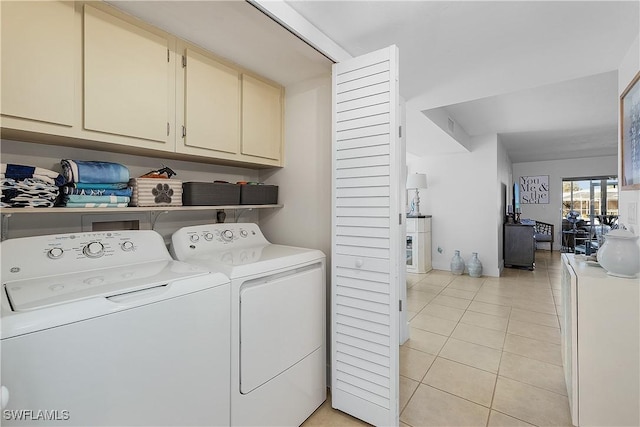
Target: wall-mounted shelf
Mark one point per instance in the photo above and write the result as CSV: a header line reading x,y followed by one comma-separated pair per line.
x,y
63,210
153,211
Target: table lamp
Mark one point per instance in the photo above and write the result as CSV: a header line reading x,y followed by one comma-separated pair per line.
x,y
414,182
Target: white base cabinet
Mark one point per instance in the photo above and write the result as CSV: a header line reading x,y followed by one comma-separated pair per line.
x,y
419,244
600,328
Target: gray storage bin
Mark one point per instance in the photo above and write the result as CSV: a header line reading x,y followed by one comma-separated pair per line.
x,y
210,194
258,194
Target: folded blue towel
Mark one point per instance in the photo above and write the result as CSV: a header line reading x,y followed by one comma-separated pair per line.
x,y
99,186
97,205
68,190
94,172
75,198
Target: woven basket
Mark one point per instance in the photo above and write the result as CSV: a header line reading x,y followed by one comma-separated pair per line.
x,y
155,192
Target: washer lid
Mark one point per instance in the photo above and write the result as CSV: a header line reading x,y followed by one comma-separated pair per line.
x,y
33,294
243,262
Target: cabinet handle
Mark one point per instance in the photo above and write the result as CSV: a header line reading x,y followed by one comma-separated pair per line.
x,y
184,131
168,128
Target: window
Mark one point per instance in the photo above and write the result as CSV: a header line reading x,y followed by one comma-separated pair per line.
x,y
596,198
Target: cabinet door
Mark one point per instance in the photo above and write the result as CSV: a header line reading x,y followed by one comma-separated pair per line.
x,y
261,119
211,106
38,60
128,79
519,245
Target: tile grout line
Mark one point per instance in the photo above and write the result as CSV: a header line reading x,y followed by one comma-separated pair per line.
x,y
495,385
535,285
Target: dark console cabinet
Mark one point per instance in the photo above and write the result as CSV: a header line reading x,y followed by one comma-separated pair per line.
x,y
519,246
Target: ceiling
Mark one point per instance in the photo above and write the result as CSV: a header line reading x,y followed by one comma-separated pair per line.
x,y
541,74
236,31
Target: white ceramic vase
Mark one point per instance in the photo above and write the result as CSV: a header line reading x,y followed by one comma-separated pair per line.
x,y
620,254
457,264
474,266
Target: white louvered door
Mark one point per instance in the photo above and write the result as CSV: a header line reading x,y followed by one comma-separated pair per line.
x,y
368,244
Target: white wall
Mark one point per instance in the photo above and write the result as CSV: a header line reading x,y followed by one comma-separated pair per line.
x,y
504,193
462,200
305,181
629,67
557,170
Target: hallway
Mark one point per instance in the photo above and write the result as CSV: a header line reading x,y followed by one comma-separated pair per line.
x,y
483,351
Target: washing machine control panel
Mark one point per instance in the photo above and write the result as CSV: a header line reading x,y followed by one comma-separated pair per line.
x,y
71,252
215,237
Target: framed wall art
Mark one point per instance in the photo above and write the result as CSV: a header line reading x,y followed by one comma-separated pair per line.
x,y
534,189
630,135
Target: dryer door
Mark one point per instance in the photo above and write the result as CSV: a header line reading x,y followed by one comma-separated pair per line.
x,y
292,305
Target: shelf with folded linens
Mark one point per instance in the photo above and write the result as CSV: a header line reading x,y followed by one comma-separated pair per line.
x,y
105,187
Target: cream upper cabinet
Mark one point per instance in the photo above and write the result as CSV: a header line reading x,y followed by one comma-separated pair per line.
x,y
85,74
210,107
261,119
38,61
129,80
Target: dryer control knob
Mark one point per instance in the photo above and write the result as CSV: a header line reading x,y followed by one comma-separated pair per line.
x,y
194,238
127,245
243,233
227,235
94,250
208,237
55,253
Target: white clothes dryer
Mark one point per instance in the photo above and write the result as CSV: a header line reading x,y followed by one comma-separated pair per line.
x,y
107,329
278,360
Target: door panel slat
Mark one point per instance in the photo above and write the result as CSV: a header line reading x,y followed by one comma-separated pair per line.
x,y
380,98
369,110
364,394
342,348
363,162
371,276
362,231
370,146
358,192
363,92
360,122
369,80
357,73
365,242
363,363
381,129
363,182
368,252
363,324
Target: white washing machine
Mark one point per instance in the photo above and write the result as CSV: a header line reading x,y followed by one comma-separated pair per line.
x,y
107,329
277,320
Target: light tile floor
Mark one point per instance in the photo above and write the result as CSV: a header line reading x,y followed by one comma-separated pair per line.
x,y
483,351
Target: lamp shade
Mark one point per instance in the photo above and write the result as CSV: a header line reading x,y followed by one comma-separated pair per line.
x,y
417,180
